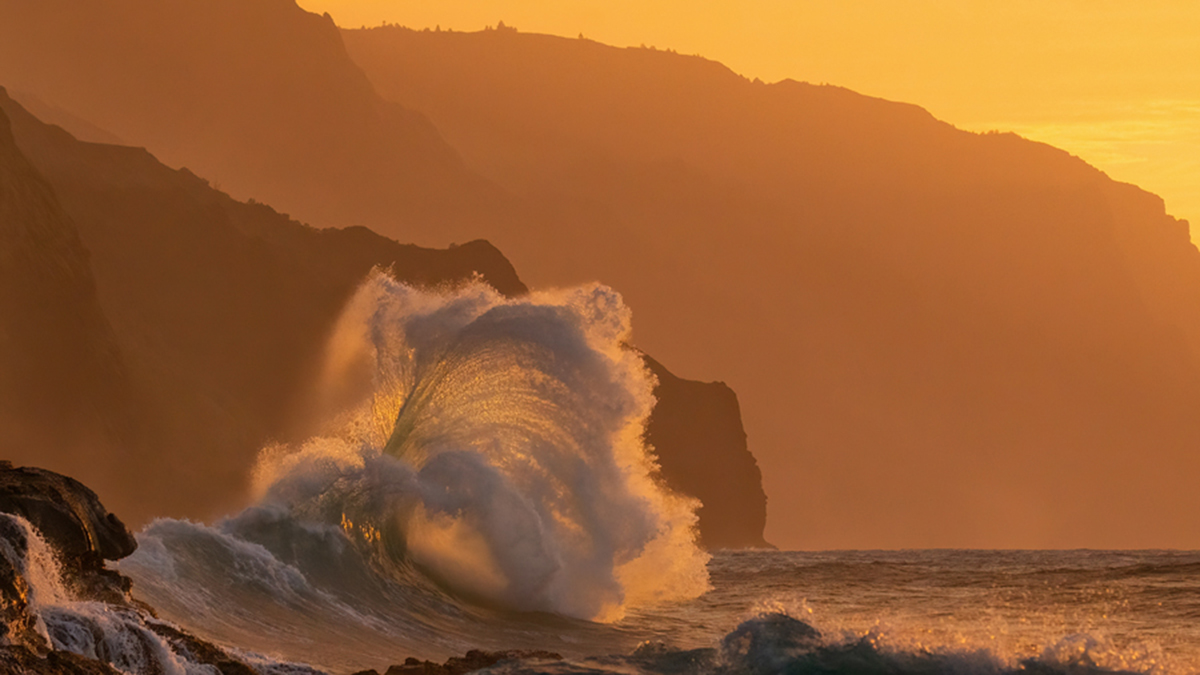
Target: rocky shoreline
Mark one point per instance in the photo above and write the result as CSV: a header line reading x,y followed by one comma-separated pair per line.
x,y
473,660
41,508
43,511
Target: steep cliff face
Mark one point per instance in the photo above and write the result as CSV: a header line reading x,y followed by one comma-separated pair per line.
x,y
696,433
63,384
258,96
911,314
221,308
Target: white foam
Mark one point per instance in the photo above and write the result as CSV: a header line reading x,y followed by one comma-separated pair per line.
x,y
500,440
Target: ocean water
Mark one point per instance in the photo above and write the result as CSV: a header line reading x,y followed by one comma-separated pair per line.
x,y
941,611
479,481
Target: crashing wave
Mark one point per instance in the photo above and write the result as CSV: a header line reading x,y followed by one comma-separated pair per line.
x,y
494,444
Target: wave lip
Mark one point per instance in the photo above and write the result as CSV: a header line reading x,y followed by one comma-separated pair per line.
x,y
496,445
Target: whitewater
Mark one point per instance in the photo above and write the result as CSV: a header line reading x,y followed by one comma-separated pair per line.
x,y
479,480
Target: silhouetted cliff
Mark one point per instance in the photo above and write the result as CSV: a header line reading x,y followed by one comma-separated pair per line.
x,y
220,308
62,378
911,314
693,424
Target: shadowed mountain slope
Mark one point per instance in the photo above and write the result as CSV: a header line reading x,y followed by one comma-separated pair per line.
x,y
63,381
946,338
257,95
221,309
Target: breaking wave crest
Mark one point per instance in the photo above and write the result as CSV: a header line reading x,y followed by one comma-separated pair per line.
x,y
492,444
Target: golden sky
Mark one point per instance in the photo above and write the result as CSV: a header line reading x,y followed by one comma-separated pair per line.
x,y
1116,82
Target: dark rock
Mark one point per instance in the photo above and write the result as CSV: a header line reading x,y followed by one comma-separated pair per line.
x,y
200,651
70,517
20,659
16,623
696,433
473,660
766,643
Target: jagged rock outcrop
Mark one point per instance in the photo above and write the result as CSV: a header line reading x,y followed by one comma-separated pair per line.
x,y
68,514
81,534
697,436
27,662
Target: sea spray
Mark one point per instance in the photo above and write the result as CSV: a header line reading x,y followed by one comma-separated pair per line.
x,y
496,444
122,636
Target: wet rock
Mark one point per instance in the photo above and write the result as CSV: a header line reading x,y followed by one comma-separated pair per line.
x,y
68,514
70,519
200,651
16,623
21,659
473,660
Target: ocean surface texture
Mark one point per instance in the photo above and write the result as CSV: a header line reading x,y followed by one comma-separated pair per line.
x,y
829,612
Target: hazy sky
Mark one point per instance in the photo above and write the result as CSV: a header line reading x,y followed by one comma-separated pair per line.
x,y
1115,82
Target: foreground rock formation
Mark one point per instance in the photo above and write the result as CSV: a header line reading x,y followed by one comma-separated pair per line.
x,y
62,612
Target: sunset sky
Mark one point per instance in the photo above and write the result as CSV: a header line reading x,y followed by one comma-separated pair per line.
x,y
1113,82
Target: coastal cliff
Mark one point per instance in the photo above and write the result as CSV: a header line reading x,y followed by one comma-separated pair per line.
x,y
697,436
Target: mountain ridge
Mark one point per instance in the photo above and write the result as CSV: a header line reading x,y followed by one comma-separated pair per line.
x,y
258,96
